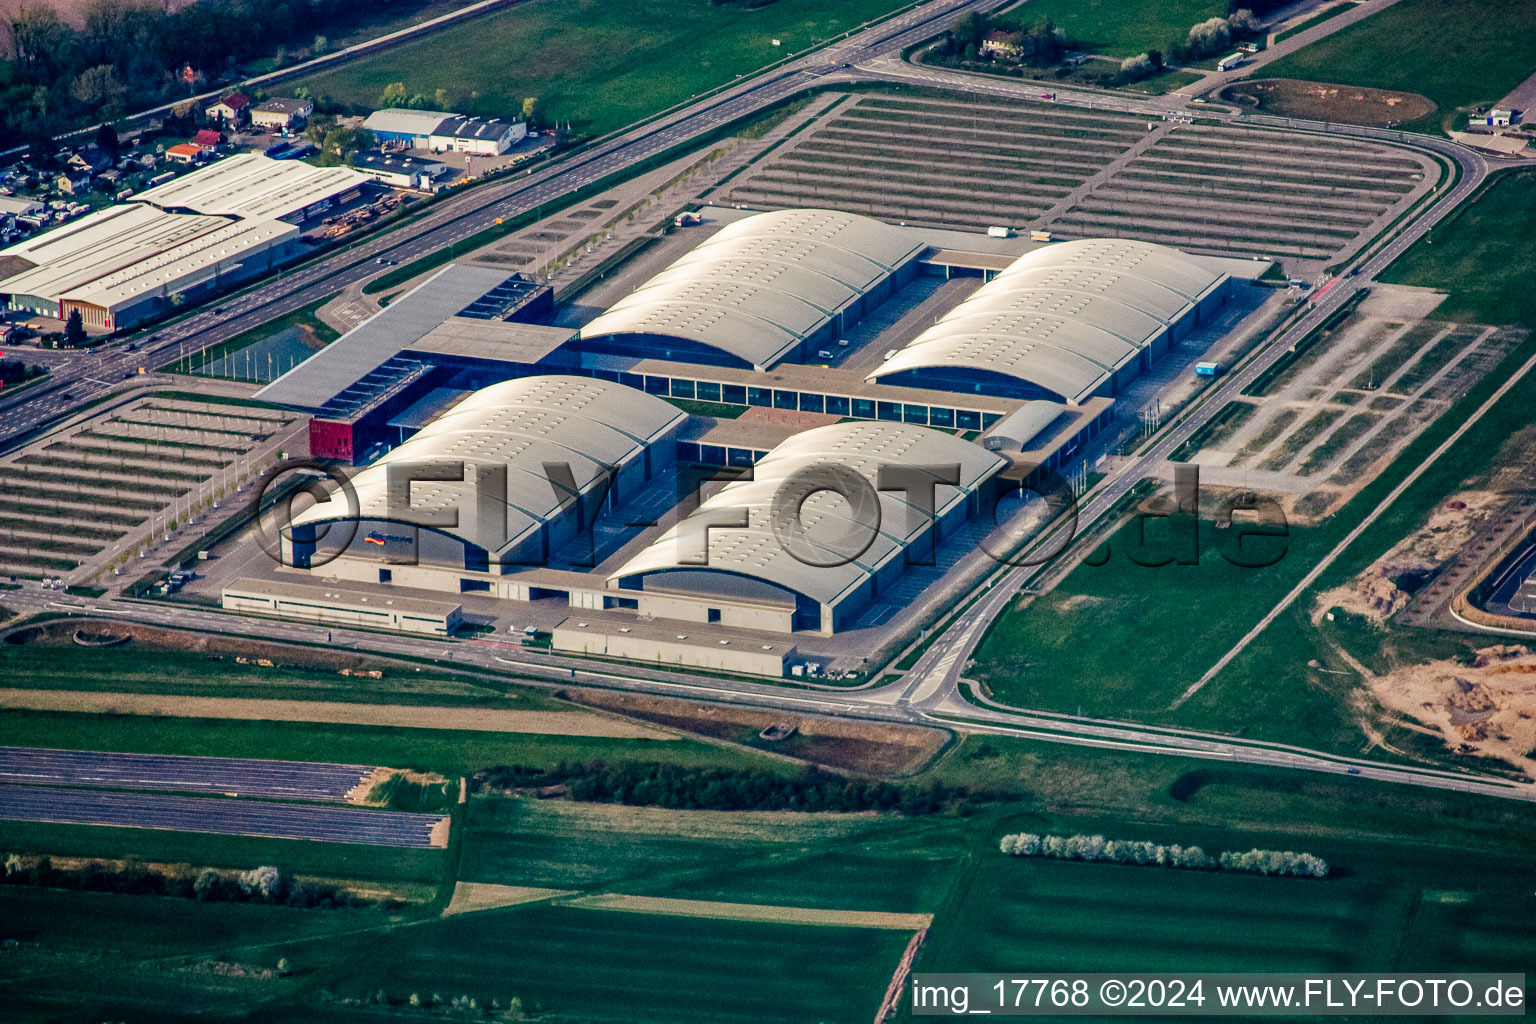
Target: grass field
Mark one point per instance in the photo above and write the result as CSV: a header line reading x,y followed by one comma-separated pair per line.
x,y
119,952
1385,906
1480,255
1122,28
845,862
1423,880
1456,52
439,750
1122,640
305,318
595,965
597,65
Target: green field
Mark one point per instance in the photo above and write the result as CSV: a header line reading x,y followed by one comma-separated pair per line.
x,y
848,862
593,965
1423,880
94,956
1383,907
1479,256
439,750
1122,28
1161,85
596,65
159,846
1456,52
1123,640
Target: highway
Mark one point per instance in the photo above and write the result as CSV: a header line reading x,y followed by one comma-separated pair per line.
x,y
930,693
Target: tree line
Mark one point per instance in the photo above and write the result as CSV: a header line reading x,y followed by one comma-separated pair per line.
x,y
645,784
266,884
1131,851
126,55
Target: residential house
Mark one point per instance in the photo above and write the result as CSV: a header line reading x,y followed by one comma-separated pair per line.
x,y
90,160
1000,45
232,109
208,137
73,182
187,153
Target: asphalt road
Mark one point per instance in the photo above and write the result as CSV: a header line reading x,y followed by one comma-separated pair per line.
x,y
288,780
225,817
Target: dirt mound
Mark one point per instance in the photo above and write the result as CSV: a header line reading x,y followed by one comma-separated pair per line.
x,y
1324,101
1412,562
1486,707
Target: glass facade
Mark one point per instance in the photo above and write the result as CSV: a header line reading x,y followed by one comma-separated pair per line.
x,y
769,398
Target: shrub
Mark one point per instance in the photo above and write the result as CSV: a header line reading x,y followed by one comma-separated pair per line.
x,y
266,882
1134,69
1209,37
1243,24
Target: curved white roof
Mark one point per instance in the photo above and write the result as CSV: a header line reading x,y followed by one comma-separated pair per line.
x,y
757,287
1065,316
832,525
590,425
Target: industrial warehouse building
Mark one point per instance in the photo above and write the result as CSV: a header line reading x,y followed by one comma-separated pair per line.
x,y
1014,381
404,127
443,132
1067,322
542,457
192,236
784,551
329,606
662,645
770,287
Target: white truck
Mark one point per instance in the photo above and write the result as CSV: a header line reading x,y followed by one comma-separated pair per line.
x,y
997,231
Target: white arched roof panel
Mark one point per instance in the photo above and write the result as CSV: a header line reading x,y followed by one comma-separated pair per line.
x,y
756,552
759,286
1065,317
590,425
